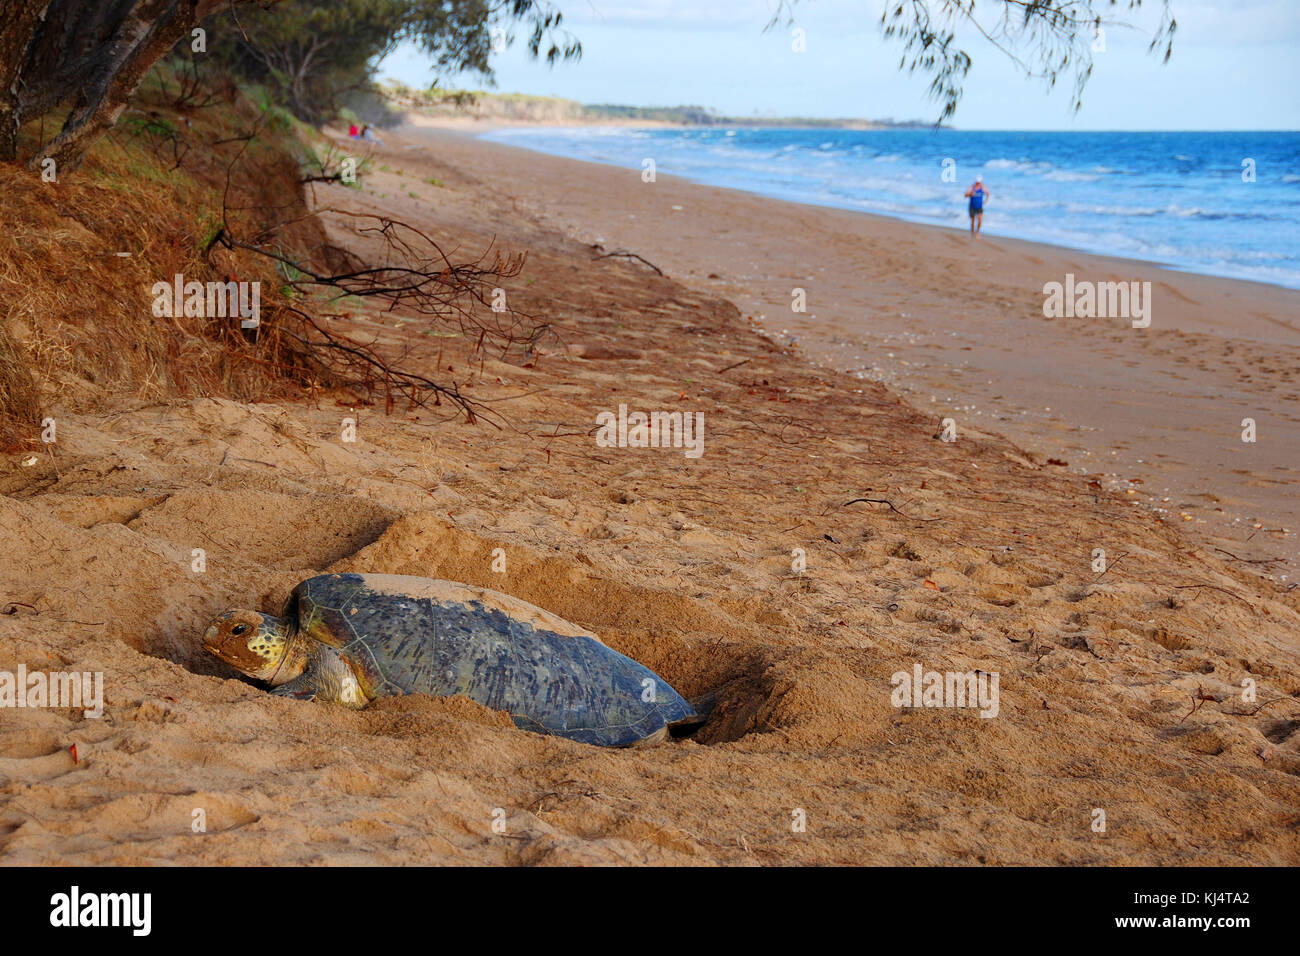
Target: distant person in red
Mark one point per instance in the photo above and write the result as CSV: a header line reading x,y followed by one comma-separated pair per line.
x,y
352,131
977,194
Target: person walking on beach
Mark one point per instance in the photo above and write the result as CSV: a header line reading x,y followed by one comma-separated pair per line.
x,y
977,194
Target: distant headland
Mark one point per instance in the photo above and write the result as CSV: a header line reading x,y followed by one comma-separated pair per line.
x,y
526,108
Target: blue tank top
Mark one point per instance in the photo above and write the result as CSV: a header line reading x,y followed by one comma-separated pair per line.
x,y
977,199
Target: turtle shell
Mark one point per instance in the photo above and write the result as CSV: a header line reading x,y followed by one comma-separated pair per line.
x,y
410,635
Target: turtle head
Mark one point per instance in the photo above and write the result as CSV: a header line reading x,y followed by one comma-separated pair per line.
x,y
259,645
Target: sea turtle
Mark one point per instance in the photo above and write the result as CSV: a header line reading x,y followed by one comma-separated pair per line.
x,y
350,638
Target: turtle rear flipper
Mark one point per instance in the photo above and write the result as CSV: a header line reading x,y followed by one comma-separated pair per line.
x,y
658,737
703,706
650,729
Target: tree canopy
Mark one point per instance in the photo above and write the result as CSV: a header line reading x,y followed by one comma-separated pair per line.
x,y
308,52
92,54
1047,39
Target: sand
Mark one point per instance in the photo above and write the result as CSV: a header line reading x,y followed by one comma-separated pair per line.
x,y
957,327
1119,692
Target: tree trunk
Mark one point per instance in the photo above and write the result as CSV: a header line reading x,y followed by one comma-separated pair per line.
x,y
148,31
95,52
16,35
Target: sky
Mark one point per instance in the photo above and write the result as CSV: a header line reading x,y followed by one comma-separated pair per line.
x,y
1234,67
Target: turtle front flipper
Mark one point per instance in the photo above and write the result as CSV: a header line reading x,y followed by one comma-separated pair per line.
x,y
328,677
302,687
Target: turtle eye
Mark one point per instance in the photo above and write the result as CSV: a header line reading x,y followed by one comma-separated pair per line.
x,y
239,629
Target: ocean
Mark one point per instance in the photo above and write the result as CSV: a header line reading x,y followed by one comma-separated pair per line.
x,y
1180,199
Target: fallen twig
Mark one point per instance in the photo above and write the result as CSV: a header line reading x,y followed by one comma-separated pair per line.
x,y
734,365
420,277
1215,587
1198,701
1252,713
886,501
630,255
1112,564
1250,560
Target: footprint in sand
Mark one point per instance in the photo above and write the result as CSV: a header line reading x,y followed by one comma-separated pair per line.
x,y
48,766
1165,287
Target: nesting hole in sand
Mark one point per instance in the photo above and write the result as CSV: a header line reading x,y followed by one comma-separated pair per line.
x,y
246,536
736,689
270,531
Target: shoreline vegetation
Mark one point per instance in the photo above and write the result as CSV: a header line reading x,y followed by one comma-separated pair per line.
x,y
224,178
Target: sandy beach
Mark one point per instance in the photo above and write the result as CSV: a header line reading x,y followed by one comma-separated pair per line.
x,y
958,327
1122,735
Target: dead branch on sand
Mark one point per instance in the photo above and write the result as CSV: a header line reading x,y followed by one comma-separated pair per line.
x,y
886,501
422,279
1256,710
1198,701
629,255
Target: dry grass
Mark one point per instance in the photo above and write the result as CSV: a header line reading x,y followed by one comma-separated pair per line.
x,y
78,258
